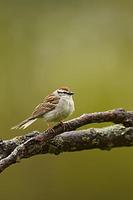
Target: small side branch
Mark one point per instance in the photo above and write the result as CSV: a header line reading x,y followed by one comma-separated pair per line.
x,y
63,137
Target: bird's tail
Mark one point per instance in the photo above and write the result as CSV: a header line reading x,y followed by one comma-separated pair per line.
x,y
24,124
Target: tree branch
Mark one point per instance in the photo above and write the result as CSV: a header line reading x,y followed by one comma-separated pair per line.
x,y
63,138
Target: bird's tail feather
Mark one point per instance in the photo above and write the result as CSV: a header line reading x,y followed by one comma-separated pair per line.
x,y
24,124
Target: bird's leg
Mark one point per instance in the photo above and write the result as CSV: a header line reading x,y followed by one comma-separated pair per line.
x,y
65,127
50,127
62,124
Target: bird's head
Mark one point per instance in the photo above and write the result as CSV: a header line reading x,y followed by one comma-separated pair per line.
x,y
64,91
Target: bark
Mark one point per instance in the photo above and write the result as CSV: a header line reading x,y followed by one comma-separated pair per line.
x,y
64,138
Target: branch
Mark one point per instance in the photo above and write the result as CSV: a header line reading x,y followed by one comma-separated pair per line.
x,y
62,138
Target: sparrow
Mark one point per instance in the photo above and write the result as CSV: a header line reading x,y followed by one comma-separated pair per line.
x,y
55,107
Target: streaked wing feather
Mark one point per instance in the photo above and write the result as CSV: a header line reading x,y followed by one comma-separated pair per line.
x,y
47,105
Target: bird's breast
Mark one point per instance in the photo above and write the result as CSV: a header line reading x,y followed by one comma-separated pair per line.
x,y
64,108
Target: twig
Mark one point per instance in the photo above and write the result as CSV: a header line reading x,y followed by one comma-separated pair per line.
x,y
31,144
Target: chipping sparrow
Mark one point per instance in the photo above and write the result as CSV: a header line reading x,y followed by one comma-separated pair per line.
x,y
55,107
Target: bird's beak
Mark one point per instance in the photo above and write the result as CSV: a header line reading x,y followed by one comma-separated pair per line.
x,y
71,93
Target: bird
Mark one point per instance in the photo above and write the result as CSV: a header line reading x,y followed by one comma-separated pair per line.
x,y
53,109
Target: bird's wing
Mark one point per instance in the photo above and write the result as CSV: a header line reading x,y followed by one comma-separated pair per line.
x,y
49,103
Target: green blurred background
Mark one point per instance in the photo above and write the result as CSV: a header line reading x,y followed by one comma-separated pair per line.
x,y
88,46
